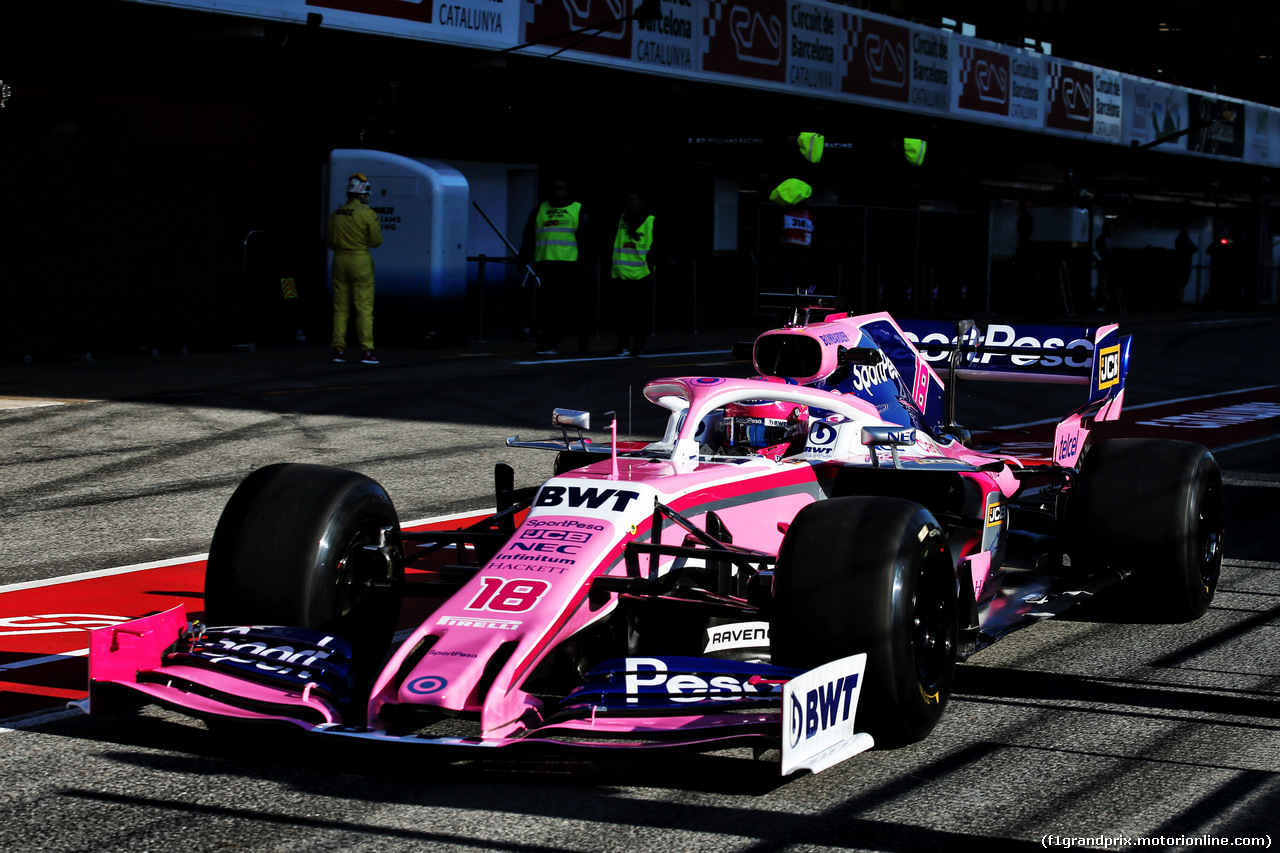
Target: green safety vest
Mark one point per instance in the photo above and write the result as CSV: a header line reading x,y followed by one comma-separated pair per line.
x,y
914,149
556,233
630,257
811,145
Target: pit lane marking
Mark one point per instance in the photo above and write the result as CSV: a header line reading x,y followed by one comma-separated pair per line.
x,y
1176,400
589,357
23,664
159,564
23,721
1254,480
7,403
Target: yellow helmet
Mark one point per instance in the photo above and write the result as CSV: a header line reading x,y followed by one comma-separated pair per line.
x,y
791,191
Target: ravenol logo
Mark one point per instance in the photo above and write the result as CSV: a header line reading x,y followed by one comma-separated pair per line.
x,y
1108,367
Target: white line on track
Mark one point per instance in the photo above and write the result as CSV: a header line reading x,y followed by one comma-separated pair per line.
x,y
1128,408
22,664
178,561
142,567
621,357
23,721
1266,481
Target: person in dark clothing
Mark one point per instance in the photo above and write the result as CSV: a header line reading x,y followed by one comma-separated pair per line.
x,y
1185,250
557,240
631,276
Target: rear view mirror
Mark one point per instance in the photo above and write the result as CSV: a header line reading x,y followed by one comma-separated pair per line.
x,y
571,418
868,356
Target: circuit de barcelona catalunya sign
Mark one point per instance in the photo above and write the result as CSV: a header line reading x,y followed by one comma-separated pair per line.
x,y
821,50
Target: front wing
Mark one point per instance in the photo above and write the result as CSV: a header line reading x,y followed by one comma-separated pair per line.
x,y
667,703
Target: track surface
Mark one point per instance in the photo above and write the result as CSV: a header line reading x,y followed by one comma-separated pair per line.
x,y
1077,730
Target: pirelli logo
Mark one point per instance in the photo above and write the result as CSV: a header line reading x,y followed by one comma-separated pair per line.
x,y
1108,367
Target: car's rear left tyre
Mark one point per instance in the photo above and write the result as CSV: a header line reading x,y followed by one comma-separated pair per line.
x,y
871,574
290,549
1154,507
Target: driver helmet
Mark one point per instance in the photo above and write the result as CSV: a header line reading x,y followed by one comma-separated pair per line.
x,y
760,424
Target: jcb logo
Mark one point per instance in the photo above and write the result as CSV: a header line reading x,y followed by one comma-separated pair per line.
x,y
995,514
1108,367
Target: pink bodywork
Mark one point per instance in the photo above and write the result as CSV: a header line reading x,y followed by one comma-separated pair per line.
x,y
535,592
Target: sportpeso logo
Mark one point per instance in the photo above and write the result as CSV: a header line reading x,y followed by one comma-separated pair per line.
x,y
291,660
867,376
650,675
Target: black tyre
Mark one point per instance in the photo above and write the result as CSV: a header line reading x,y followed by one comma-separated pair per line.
x,y
1154,507
869,574
289,549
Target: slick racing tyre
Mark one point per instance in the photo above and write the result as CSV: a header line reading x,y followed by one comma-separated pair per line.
x,y
871,574
289,549
1154,507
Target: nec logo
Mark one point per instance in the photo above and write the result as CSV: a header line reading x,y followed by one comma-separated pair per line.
x,y
1108,367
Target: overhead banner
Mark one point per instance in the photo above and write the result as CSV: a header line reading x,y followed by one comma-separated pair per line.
x,y
1219,126
747,40
818,49
998,87
1070,95
1154,114
1261,135
488,23
877,59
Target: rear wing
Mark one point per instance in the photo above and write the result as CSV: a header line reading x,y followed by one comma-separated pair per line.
x,y
1074,355
1003,352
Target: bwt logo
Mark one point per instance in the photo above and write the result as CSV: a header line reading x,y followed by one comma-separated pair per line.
x,y
886,60
823,707
1108,367
590,497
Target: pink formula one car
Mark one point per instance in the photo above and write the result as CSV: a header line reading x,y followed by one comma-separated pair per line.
x,y
800,561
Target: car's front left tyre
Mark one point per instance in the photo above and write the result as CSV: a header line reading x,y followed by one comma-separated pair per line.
x,y
297,545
